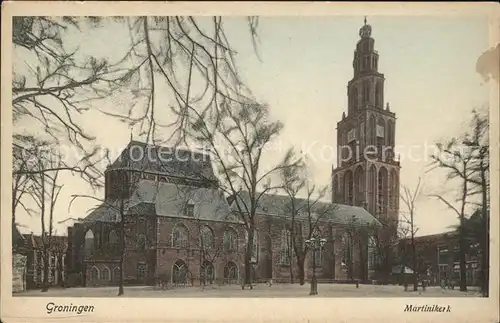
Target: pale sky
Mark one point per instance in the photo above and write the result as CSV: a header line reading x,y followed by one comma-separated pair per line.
x,y
306,62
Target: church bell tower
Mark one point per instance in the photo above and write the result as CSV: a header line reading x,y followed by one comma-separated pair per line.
x,y
367,172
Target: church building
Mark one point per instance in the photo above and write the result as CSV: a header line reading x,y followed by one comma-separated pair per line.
x,y
180,228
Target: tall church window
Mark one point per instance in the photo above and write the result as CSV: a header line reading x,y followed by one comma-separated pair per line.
x,y
113,239
354,95
359,179
372,253
180,236
382,191
285,248
347,250
378,95
394,189
89,243
351,135
206,238
366,92
372,173
230,240
390,133
348,180
372,130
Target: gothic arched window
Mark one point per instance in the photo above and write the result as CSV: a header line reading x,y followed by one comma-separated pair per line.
x,y
347,250
393,190
348,184
231,272
372,253
230,240
366,92
382,191
359,180
378,95
335,188
373,128
94,274
390,133
89,242
180,236
206,238
372,178
105,274
113,239
285,247
141,242
179,272
354,98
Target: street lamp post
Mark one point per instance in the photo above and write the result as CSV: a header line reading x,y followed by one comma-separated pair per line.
x,y
315,245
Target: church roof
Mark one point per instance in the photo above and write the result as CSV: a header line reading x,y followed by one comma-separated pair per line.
x,y
170,161
168,199
280,205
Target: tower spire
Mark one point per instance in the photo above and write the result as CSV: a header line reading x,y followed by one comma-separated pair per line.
x,y
365,20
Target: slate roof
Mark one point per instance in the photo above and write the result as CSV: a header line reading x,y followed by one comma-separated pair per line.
x,y
279,205
168,199
170,161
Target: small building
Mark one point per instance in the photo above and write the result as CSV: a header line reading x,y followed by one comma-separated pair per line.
x,y
438,257
34,251
18,261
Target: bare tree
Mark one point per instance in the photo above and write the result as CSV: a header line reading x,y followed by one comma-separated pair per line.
x,y
237,136
293,181
458,163
477,140
24,152
312,212
466,158
45,192
59,86
409,198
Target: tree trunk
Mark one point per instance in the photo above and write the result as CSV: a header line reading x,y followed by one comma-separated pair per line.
x,y
248,257
300,264
485,240
414,260
462,241
462,244
45,284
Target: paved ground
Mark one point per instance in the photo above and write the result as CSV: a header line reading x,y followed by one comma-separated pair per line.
x,y
280,290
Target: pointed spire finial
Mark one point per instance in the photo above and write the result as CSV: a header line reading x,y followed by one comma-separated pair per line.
x,y
131,135
365,20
